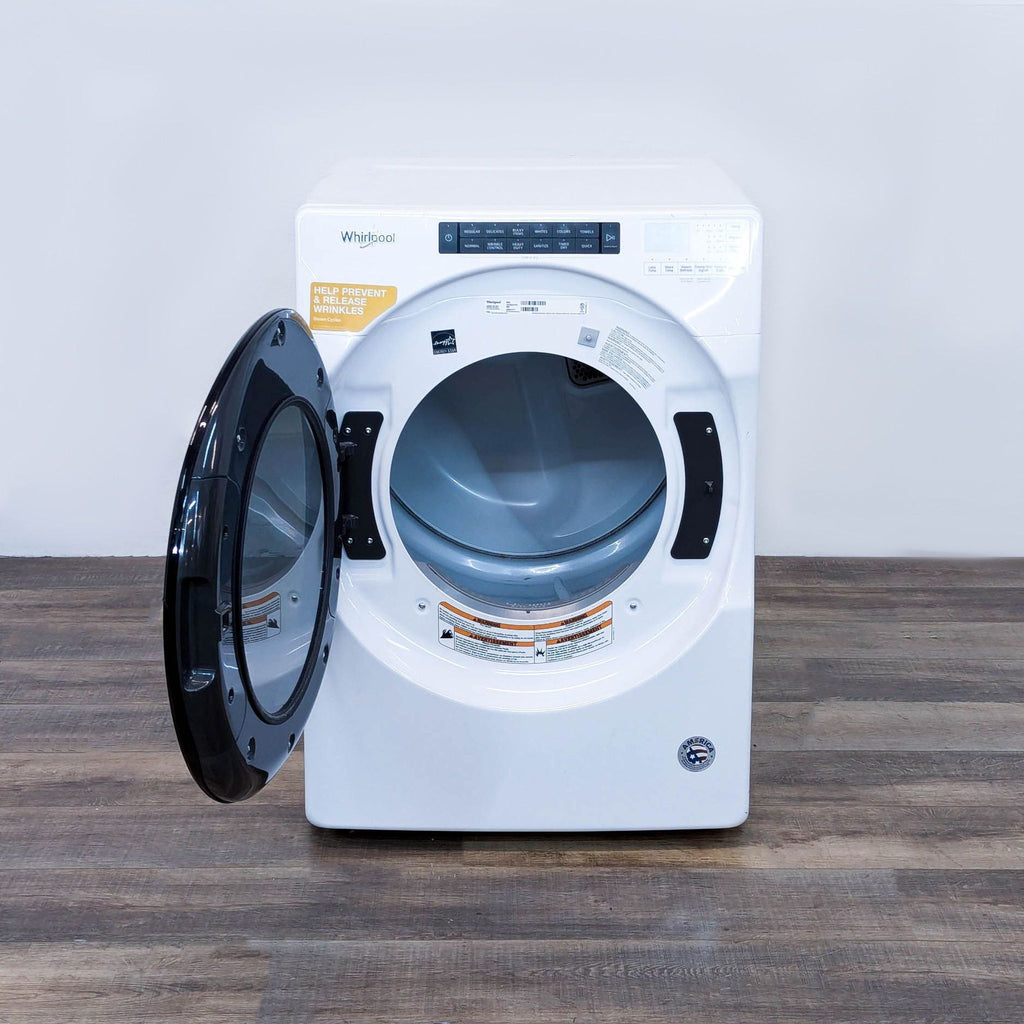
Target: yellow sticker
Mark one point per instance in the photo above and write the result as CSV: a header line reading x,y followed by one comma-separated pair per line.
x,y
348,307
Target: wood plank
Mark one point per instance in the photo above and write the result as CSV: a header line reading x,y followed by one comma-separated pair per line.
x,y
389,900
510,981
889,638
795,678
82,681
118,982
28,573
953,726
46,728
725,980
269,835
140,603
890,572
901,778
833,603
105,778
132,638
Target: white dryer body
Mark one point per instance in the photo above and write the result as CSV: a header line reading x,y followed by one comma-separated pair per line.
x,y
516,684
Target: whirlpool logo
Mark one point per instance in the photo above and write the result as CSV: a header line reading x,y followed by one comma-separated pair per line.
x,y
364,239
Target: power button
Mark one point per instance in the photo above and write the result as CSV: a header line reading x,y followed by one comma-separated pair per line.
x,y
448,236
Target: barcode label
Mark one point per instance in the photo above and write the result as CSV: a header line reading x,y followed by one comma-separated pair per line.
x,y
562,304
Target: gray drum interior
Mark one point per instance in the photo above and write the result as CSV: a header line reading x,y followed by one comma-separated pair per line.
x,y
517,484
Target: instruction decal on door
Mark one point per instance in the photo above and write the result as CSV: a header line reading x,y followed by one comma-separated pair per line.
x,y
261,619
348,307
524,643
634,360
560,304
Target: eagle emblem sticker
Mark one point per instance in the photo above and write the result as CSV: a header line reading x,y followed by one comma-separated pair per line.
x,y
696,753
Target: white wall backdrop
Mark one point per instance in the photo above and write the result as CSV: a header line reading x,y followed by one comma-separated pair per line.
x,y
153,155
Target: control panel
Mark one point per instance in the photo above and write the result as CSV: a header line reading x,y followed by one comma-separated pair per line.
x,y
596,237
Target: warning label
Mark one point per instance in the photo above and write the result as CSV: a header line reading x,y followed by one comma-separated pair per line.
x,y
562,304
524,643
261,619
637,362
348,307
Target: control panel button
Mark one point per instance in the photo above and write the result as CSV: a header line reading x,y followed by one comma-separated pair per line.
x,y
448,236
565,237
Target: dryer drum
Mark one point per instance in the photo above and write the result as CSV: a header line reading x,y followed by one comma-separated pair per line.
x,y
513,485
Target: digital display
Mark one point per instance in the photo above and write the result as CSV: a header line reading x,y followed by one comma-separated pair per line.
x,y
670,236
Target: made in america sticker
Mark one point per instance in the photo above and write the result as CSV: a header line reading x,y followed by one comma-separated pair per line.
x,y
696,753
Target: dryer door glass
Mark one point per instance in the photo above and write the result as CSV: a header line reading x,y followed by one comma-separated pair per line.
x,y
282,559
252,561
527,480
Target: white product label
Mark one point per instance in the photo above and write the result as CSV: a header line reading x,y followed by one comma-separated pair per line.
x,y
524,643
561,304
636,361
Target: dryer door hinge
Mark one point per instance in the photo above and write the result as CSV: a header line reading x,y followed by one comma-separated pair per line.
x,y
343,448
347,525
355,443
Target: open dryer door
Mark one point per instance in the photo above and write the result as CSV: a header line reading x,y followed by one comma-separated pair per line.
x,y
253,561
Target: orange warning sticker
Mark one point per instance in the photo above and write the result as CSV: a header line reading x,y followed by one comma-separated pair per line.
x,y
524,643
261,619
348,307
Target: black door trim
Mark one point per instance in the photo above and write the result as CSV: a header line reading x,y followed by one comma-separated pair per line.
x,y
231,747
702,501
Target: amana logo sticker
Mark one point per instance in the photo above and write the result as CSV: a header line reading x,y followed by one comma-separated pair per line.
x,y
696,753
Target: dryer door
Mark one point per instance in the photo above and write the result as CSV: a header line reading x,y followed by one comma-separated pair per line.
x,y
250,588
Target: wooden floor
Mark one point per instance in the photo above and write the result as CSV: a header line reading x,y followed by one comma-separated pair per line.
x,y
878,879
